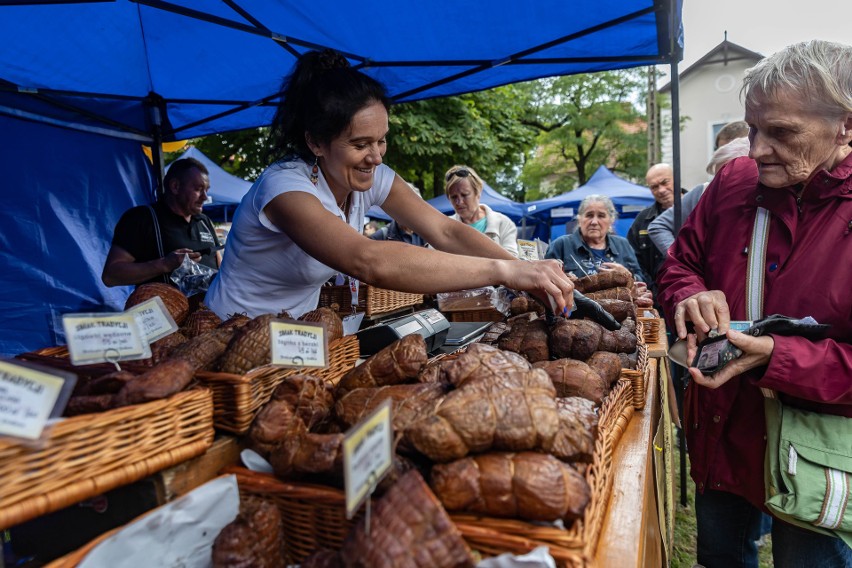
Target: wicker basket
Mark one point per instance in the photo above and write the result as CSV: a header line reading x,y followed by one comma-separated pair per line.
x,y
58,358
639,377
371,300
87,455
653,331
238,398
315,516
571,547
617,409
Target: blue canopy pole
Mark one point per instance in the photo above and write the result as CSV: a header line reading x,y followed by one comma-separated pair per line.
x,y
155,119
675,84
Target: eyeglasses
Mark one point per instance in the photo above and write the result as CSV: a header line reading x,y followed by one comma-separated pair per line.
x,y
461,172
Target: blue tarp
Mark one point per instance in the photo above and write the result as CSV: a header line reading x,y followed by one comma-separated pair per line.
x,y
62,193
212,67
82,84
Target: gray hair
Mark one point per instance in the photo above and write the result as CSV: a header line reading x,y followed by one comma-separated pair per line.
x,y
733,149
817,71
598,198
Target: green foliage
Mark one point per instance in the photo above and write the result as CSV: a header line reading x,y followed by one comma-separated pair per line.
x,y
584,121
241,153
527,140
481,130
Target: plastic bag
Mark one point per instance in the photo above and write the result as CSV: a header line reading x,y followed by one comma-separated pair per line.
x,y
191,277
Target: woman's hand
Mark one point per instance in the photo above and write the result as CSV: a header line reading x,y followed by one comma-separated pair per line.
x,y
542,278
706,310
757,351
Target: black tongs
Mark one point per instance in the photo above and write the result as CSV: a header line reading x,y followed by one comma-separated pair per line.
x,y
584,307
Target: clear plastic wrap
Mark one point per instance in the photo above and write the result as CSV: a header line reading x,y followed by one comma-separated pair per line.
x,y
191,277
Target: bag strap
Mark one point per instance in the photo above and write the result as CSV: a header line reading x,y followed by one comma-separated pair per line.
x,y
159,237
755,275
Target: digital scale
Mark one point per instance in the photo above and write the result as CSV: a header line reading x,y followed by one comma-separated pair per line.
x,y
431,324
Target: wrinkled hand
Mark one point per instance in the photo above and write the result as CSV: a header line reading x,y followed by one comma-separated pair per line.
x,y
757,351
706,310
542,278
175,258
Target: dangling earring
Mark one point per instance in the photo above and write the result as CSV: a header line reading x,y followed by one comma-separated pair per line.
x,y
315,171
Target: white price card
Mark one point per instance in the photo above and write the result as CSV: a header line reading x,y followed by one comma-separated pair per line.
x,y
154,319
352,323
367,456
95,338
528,250
28,397
298,344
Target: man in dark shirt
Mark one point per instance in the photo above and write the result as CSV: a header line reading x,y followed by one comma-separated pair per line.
x,y
138,255
660,180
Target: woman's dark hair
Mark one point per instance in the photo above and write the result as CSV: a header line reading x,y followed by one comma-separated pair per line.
x,y
320,97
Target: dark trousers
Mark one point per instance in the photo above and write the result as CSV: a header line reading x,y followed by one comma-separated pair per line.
x,y
729,526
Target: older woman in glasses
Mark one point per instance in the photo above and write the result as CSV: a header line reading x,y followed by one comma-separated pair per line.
x,y
301,222
463,187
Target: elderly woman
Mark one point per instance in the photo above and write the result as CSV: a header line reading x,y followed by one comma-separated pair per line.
x,y
463,187
799,110
593,245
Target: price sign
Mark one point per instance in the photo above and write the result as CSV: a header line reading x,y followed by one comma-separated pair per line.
x,y
95,338
367,456
298,344
154,319
352,323
528,250
28,397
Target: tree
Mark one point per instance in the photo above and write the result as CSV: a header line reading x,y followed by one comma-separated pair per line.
x,y
584,121
481,130
241,153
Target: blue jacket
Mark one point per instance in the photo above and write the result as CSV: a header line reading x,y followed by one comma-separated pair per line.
x,y
571,249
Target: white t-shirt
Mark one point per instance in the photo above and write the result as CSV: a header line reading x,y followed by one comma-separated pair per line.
x,y
263,271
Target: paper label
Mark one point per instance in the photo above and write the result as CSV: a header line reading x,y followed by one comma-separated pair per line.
x,y
367,456
352,323
27,398
298,344
528,250
95,338
154,319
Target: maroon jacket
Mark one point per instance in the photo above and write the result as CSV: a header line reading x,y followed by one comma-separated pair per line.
x,y
808,273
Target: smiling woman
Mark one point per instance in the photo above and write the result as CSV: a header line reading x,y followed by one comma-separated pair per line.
x,y
300,223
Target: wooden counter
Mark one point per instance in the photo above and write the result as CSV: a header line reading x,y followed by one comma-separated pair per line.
x,y
631,534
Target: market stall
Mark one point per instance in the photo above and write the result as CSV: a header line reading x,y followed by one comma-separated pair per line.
x,y
624,468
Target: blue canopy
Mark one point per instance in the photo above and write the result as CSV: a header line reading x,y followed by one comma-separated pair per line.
x,y
225,188
82,84
553,213
211,66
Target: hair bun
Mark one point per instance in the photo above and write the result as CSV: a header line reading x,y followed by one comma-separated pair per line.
x,y
329,59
